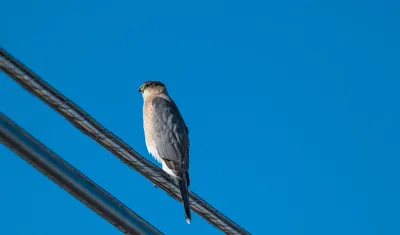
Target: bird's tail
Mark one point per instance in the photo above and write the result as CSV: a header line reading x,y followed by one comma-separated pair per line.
x,y
183,187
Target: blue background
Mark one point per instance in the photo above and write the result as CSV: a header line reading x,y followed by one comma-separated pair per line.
x,y
293,110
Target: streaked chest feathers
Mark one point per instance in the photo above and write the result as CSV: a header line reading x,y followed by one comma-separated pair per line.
x,y
149,129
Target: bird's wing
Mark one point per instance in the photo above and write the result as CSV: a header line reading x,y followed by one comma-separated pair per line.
x,y
172,141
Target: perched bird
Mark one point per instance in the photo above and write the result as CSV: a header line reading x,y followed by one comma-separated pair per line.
x,y
167,136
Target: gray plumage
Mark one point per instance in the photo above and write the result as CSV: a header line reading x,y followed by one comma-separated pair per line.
x,y
167,136
172,139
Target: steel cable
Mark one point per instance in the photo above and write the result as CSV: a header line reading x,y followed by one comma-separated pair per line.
x,y
84,122
72,180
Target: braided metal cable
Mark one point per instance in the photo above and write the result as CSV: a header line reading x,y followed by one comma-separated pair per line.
x,y
84,122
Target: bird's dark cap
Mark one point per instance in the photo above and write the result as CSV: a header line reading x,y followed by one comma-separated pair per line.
x,y
150,83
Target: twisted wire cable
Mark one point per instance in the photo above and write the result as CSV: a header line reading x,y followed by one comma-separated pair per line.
x,y
84,122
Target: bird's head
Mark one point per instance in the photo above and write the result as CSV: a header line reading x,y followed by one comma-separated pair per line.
x,y
152,88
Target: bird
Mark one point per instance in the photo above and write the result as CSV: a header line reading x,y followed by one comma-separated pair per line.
x,y
167,136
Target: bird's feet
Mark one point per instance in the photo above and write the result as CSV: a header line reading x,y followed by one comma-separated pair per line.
x,y
155,186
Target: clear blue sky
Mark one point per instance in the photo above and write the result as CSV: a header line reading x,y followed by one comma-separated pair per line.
x,y
293,110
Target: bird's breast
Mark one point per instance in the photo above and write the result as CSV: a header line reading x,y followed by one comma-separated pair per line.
x,y
149,129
